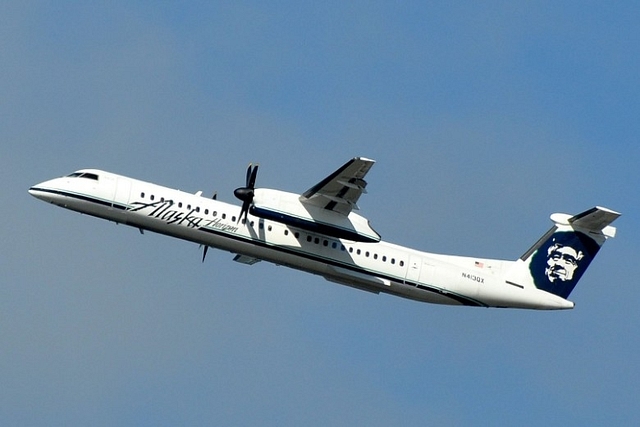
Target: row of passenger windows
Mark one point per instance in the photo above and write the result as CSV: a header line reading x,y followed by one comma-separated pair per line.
x,y
205,211
336,245
310,239
180,205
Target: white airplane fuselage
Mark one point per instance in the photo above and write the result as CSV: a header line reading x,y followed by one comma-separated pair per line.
x,y
376,267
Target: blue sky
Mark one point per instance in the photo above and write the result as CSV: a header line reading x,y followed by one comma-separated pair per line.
x,y
483,118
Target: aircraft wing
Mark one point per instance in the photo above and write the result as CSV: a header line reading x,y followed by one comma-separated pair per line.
x,y
340,191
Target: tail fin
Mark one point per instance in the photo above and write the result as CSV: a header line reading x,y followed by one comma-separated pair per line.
x,y
559,259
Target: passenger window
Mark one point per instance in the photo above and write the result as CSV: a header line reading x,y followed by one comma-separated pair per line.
x,y
384,258
401,263
152,197
393,260
142,195
358,252
309,239
316,241
224,216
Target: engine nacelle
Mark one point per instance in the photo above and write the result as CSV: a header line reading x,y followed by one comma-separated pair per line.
x,y
287,208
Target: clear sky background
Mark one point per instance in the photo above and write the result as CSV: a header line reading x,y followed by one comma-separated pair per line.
x,y
483,119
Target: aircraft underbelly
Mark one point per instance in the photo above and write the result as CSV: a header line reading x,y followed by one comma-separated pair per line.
x,y
432,284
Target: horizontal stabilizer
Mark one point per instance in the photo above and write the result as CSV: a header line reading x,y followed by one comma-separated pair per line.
x,y
596,220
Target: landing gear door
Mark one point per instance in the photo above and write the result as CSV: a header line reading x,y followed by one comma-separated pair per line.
x,y
413,269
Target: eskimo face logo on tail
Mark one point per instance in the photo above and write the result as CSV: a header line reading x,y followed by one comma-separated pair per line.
x,y
559,263
562,262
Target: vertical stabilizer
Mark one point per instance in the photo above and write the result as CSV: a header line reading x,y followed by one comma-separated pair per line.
x,y
558,260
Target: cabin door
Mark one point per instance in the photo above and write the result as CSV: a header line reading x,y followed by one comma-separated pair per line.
x,y
121,198
413,269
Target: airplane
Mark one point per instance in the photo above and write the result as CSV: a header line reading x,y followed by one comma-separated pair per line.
x,y
318,232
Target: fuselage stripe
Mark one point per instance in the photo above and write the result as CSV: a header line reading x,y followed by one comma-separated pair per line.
x,y
316,258
82,197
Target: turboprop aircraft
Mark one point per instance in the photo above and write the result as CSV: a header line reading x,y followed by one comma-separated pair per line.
x,y
319,232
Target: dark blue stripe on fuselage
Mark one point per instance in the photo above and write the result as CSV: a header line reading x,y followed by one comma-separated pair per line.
x,y
81,197
352,267
330,261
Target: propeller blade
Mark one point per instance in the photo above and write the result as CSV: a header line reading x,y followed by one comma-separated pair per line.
x,y
246,193
245,210
252,180
247,179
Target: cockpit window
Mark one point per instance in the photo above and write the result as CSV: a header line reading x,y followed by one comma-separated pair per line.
x,y
86,175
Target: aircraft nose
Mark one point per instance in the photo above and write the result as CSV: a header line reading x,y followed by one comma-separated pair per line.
x,y
42,191
37,191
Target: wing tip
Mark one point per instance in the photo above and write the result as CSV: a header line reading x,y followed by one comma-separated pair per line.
x,y
364,159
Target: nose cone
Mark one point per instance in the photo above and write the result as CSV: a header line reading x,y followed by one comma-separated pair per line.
x,y
36,191
43,191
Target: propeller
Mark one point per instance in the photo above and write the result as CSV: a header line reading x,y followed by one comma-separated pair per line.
x,y
246,193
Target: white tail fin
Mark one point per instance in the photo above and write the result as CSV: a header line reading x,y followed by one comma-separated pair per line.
x,y
557,261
